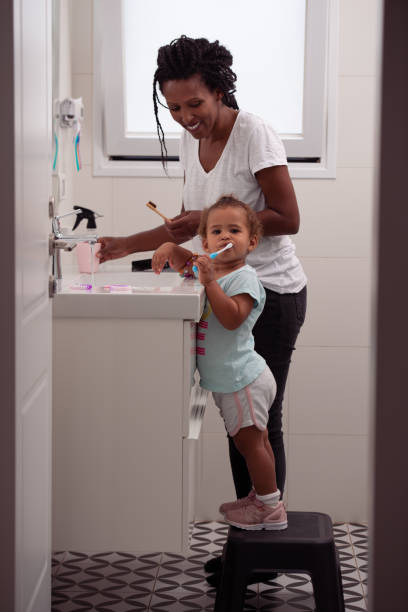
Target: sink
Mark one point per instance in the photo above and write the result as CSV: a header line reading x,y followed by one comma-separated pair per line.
x,y
130,295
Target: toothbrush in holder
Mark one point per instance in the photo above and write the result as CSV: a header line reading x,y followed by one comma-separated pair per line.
x,y
214,255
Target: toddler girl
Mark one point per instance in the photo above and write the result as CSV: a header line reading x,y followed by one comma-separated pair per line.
x,y
242,385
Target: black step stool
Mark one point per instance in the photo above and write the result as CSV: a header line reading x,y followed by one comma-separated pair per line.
x,y
307,545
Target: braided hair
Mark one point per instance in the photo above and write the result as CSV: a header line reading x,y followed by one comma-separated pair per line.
x,y
186,56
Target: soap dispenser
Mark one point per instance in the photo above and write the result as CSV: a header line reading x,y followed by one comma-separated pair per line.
x,y
88,262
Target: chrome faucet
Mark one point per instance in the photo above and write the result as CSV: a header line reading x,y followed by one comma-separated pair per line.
x,y
58,241
57,231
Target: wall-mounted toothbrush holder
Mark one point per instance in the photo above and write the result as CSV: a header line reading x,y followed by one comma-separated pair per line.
x,y
68,113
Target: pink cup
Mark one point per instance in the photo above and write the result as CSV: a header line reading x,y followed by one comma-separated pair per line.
x,y
88,262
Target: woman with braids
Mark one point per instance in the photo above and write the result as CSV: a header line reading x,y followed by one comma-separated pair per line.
x,y
228,150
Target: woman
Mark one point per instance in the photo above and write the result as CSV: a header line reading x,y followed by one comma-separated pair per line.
x,y
227,150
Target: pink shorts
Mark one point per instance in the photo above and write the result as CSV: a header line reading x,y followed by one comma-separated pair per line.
x,y
248,406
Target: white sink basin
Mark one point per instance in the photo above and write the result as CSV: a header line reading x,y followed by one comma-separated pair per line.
x,y
129,295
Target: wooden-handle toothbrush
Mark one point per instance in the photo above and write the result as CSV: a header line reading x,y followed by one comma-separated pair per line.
x,y
154,208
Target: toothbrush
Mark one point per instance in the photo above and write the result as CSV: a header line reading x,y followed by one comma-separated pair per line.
x,y
154,208
214,255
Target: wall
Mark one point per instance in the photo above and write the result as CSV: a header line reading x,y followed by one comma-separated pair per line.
x,y
327,398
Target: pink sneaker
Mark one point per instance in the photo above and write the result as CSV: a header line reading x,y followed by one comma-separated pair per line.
x,y
255,515
242,501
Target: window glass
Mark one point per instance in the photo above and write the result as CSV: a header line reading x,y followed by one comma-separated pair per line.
x,y
268,60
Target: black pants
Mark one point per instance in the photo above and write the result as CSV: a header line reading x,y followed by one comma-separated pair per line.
x,y
275,335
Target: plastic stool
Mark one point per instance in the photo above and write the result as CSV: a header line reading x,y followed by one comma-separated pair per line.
x,y
307,545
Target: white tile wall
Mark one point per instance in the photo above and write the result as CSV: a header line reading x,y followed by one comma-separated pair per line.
x,y
129,202
82,36
82,87
356,121
336,215
329,473
359,45
328,390
338,302
326,405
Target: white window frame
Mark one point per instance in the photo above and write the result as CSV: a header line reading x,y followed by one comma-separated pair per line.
x,y
319,117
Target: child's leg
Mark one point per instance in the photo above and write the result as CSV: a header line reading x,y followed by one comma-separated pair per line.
x,y
269,449
253,444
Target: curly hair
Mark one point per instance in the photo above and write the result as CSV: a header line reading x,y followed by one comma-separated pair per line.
x,y
186,56
227,201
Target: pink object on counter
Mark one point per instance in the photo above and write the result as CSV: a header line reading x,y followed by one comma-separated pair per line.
x,y
85,263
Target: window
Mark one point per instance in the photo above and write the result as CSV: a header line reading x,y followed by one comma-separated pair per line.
x,y
282,63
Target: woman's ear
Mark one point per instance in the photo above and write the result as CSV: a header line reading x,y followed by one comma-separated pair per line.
x,y
219,94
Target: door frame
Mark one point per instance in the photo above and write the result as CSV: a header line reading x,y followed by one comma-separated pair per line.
x,y
7,313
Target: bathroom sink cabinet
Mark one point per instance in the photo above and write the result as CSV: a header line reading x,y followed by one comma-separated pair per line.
x,y
126,419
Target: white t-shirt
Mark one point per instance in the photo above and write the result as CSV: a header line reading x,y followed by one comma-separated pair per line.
x,y
251,146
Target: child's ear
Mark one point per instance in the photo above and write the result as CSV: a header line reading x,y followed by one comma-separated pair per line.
x,y
253,243
204,242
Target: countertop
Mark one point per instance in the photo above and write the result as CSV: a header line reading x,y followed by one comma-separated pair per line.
x,y
130,295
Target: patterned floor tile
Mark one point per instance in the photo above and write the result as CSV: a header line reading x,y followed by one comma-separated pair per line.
x,y
87,601
364,581
121,582
179,599
176,570
287,593
359,537
107,572
356,605
199,597
57,559
208,538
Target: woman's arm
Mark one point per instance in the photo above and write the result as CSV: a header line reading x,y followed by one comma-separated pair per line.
x,y
281,216
114,247
178,230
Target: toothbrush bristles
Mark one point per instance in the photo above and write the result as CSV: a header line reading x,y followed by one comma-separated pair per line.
x,y
227,246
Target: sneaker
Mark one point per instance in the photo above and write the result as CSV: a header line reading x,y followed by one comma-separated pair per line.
x,y
237,503
255,515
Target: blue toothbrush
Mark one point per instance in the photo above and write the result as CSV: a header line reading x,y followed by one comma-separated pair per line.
x,y
214,255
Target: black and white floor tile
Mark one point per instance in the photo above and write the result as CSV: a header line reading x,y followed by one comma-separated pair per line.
x,y
121,582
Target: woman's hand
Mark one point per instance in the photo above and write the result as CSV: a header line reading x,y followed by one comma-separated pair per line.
x,y
205,269
112,248
164,253
184,226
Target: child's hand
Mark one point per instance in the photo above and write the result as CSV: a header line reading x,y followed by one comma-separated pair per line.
x,y
205,269
163,254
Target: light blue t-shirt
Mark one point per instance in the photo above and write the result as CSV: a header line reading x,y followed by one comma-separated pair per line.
x,y
226,359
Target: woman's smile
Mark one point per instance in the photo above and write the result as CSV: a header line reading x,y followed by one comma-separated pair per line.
x,y
192,128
